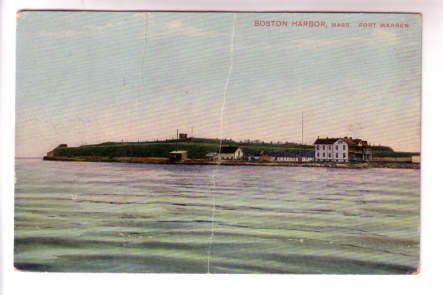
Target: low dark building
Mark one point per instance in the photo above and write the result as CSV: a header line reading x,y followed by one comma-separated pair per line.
x,y
178,156
266,157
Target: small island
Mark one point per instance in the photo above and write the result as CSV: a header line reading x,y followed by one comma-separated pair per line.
x,y
346,152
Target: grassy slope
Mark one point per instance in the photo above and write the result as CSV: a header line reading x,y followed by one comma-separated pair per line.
x,y
197,148
138,150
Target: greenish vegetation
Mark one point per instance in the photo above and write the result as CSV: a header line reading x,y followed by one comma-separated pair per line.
x,y
162,149
381,148
386,151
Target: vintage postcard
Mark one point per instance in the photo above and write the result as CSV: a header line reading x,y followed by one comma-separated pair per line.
x,y
218,142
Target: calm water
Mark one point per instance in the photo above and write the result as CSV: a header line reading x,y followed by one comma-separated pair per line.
x,y
103,217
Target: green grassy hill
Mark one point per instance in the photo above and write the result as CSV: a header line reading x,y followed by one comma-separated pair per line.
x,y
197,148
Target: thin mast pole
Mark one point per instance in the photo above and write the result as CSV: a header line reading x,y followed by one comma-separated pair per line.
x,y
302,127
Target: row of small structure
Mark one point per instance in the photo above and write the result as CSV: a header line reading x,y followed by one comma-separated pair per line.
x,y
326,149
236,153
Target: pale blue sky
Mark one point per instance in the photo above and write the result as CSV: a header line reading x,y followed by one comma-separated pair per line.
x,y
90,77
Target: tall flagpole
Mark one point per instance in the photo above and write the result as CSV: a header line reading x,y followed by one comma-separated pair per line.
x,y
302,135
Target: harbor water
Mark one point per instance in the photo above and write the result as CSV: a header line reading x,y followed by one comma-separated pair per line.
x,y
117,217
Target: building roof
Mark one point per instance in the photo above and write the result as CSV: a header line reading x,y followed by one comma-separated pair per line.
x,y
228,149
178,152
355,141
326,140
349,140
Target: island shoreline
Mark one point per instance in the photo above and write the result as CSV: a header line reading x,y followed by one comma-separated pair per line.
x,y
166,161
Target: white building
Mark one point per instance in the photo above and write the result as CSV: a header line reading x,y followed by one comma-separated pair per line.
x,y
331,149
230,153
286,158
307,159
298,156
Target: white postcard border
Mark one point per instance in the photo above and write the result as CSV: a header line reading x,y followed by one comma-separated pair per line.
x,y
18,282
